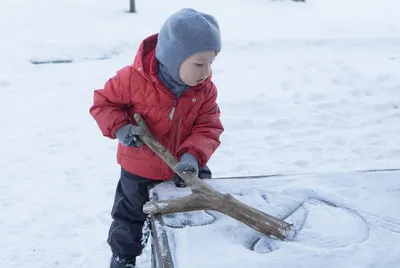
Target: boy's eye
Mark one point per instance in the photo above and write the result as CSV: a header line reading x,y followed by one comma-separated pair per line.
x,y
199,64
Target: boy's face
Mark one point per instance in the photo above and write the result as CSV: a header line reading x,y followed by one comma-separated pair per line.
x,y
195,69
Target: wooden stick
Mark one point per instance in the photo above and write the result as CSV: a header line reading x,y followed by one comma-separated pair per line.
x,y
204,197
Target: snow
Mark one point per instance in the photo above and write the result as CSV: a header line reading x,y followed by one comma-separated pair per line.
x,y
336,224
303,87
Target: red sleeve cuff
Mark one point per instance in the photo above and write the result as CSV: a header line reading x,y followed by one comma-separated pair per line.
x,y
116,127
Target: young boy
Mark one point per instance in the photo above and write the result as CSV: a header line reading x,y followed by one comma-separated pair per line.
x,y
170,85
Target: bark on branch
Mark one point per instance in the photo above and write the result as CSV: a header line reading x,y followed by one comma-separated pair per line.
x,y
204,197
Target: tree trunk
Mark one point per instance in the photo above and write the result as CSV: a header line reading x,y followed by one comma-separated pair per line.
x,y
204,197
132,7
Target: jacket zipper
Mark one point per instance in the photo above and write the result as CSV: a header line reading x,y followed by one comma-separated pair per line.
x,y
178,136
171,114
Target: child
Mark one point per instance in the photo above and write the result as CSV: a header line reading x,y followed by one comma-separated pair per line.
x,y
170,85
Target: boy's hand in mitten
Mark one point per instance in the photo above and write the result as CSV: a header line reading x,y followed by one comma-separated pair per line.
x,y
188,163
129,134
178,181
204,173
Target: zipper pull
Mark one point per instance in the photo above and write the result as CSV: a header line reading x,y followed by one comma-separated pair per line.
x,y
171,114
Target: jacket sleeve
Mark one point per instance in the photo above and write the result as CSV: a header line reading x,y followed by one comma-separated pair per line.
x,y
205,135
110,103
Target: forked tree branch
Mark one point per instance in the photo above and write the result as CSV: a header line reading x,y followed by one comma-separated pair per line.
x,y
204,197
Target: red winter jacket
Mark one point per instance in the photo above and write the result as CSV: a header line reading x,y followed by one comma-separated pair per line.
x,y
188,124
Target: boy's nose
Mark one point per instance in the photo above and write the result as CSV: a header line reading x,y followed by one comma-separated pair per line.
x,y
206,71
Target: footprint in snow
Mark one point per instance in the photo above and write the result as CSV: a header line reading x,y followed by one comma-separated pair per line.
x,y
195,218
320,224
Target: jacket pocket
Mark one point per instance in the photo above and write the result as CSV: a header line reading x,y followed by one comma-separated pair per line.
x,y
141,152
144,149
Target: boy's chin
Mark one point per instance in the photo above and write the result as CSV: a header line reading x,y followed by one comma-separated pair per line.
x,y
195,83
198,82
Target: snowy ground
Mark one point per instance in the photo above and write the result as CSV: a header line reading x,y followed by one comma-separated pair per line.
x,y
303,87
336,224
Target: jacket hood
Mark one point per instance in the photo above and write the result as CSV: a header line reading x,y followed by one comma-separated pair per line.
x,y
146,63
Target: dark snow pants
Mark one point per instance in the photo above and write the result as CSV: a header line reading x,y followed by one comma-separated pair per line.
x,y
125,234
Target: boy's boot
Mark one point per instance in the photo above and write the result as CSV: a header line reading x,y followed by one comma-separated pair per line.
x,y
117,262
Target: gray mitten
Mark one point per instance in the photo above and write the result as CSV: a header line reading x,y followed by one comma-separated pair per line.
x,y
188,163
128,135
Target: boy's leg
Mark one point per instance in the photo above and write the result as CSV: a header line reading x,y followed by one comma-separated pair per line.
x,y
125,234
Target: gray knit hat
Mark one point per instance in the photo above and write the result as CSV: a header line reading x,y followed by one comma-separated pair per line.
x,y
183,34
